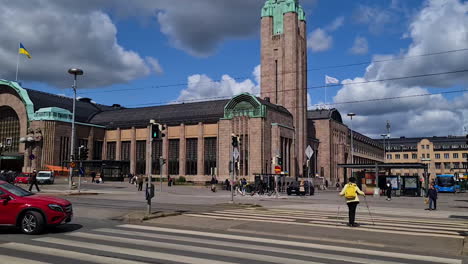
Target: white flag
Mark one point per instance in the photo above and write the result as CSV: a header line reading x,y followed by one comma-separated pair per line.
x,y
331,80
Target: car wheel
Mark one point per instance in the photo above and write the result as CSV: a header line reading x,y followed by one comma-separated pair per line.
x,y
32,223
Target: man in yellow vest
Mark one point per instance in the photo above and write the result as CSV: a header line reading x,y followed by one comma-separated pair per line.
x,y
351,192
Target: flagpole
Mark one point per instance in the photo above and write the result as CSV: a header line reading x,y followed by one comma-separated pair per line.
x,y
17,63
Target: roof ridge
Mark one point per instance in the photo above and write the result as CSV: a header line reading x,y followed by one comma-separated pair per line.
x,y
61,96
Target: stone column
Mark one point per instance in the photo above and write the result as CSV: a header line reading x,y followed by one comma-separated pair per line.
x,y
182,150
104,146
224,148
200,151
165,153
91,144
149,150
118,145
132,150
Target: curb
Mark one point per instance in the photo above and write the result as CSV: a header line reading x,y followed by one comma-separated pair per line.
x,y
139,216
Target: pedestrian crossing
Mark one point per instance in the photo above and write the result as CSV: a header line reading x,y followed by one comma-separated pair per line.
x,y
139,244
338,220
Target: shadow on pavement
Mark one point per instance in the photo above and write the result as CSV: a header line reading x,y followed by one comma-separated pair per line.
x,y
64,228
51,230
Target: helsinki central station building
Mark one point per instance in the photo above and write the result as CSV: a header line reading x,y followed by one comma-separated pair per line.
x,y
37,125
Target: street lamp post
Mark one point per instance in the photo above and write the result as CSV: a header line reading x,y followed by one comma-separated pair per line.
x,y
384,147
352,146
75,72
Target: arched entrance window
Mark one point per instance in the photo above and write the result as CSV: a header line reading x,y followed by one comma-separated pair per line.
x,y
9,129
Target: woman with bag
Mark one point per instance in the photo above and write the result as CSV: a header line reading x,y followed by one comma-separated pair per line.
x,y
350,192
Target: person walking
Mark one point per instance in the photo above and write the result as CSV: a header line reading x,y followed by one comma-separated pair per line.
x,y
432,195
93,176
337,185
213,183
140,181
130,177
350,192
33,181
389,189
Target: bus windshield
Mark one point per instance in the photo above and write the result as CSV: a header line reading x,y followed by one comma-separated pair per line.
x,y
445,181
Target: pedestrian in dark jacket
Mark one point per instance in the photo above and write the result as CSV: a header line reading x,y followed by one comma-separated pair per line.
x,y
33,181
388,188
140,181
432,195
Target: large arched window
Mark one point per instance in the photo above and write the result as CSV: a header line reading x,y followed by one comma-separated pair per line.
x,y
9,128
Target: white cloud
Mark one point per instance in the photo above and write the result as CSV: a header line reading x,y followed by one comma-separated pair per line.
x,y
377,18
360,46
202,87
156,66
319,40
439,26
336,24
59,38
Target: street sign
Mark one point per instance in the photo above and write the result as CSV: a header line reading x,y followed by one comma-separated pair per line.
x,y
309,152
278,169
8,142
73,164
82,171
235,154
31,157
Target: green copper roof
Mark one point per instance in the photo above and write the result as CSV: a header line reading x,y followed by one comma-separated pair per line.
x,y
244,104
277,9
53,114
23,94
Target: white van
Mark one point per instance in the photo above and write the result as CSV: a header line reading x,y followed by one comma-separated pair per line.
x,y
45,177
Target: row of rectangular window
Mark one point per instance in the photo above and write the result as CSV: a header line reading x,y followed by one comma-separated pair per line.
x,y
448,165
191,154
427,156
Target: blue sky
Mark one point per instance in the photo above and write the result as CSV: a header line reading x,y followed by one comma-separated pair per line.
x,y
141,46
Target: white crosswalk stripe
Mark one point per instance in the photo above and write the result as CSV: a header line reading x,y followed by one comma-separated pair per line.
x,y
378,224
137,244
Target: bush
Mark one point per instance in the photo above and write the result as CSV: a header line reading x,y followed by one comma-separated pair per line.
x,y
181,179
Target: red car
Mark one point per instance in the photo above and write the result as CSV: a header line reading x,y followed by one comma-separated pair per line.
x,y
23,178
29,212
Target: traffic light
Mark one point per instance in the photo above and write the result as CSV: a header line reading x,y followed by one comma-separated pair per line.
x,y
235,141
467,139
84,153
162,129
157,131
279,161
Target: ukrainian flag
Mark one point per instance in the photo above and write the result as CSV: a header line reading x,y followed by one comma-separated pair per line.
x,y
22,50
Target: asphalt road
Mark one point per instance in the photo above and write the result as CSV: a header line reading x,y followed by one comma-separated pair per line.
x,y
212,231
90,241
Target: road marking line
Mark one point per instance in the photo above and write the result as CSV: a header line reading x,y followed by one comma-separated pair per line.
x,y
440,228
376,227
300,244
132,252
246,246
14,260
188,248
67,254
416,220
328,226
419,221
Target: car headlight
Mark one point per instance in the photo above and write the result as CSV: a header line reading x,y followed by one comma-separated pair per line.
x,y
56,207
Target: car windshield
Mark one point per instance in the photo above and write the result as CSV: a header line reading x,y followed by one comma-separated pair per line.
x,y
18,191
43,174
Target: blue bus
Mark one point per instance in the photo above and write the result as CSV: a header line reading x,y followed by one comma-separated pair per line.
x,y
446,183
